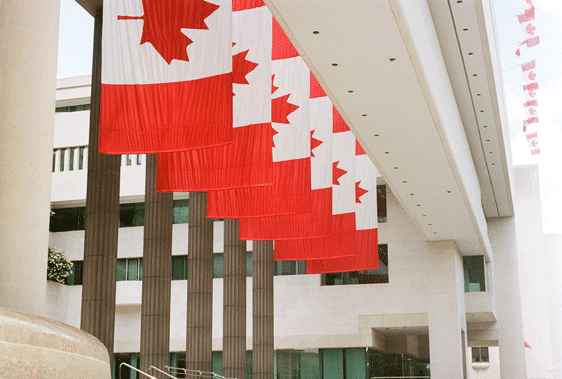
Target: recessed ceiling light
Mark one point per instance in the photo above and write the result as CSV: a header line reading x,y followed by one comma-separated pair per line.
x,y
316,32
376,135
350,91
392,59
364,115
334,64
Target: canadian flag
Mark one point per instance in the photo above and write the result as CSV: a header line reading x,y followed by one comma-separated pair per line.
x,y
527,16
290,192
316,223
533,141
529,43
341,240
366,235
530,91
532,103
528,66
166,75
248,160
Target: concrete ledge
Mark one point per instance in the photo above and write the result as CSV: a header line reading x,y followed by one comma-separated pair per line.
x,y
32,346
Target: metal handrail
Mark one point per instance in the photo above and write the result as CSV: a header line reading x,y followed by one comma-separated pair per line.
x,y
163,372
198,373
137,370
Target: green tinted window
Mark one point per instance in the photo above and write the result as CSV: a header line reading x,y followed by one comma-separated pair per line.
x,y
181,211
218,265
179,267
121,269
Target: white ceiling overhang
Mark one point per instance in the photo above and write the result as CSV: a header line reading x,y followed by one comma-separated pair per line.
x,y
398,82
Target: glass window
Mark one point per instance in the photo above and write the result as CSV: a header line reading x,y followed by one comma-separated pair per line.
x,y
73,108
381,203
128,160
249,264
474,273
81,158
139,159
54,159
121,269
181,211
129,269
67,219
218,265
379,275
480,354
61,163
131,214
290,268
132,269
71,159
179,267
75,277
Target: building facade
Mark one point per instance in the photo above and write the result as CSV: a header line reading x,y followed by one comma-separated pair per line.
x,y
426,305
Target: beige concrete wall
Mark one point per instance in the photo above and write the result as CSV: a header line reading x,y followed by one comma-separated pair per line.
x,y
28,60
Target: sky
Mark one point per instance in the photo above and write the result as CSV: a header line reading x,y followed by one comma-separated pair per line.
x,y
75,59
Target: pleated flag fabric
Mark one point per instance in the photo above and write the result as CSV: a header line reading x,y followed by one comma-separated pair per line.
x,y
316,223
365,255
166,76
341,240
248,160
290,192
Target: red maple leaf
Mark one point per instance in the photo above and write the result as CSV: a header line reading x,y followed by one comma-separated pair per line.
x,y
273,87
281,109
314,143
530,28
534,143
532,111
163,21
337,173
359,192
241,67
532,76
273,136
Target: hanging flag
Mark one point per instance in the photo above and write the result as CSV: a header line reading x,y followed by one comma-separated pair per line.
x,y
316,223
248,160
530,91
528,15
341,240
531,103
533,141
366,255
528,66
527,345
290,192
166,75
534,41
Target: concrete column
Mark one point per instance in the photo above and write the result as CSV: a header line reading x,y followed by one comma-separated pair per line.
x,y
199,337
157,272
28,66
508,298
262,299
102,221
234,297
446,316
